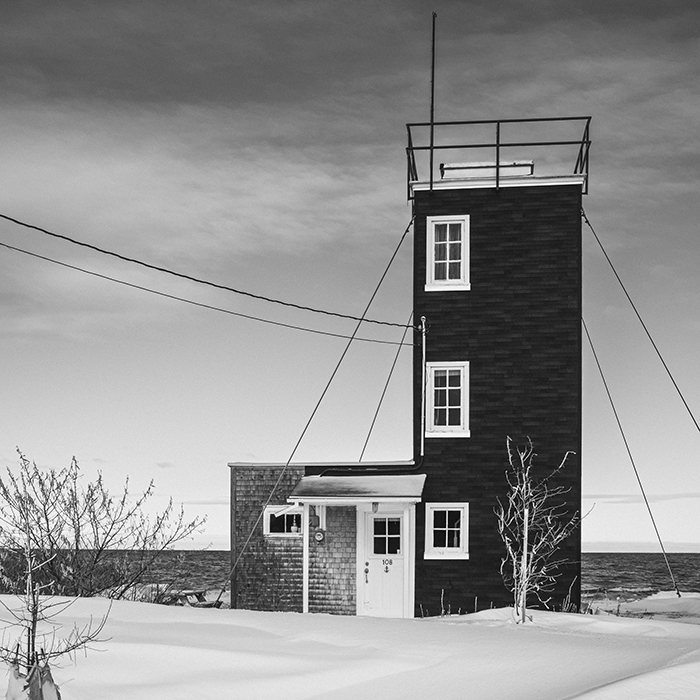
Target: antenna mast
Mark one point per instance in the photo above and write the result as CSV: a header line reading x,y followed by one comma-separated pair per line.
x,y
432,100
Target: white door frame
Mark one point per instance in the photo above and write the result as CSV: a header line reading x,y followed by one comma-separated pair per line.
x,y
408,511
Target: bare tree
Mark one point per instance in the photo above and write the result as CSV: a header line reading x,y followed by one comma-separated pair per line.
x,y
31,637
533,522
87,540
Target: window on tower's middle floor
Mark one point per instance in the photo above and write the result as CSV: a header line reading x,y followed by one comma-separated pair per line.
x,y
447,253
447,399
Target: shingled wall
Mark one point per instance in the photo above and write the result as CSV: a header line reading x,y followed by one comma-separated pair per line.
x,y
332,564
269,573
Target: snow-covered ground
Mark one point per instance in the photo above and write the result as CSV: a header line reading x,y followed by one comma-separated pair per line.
x,y
158,653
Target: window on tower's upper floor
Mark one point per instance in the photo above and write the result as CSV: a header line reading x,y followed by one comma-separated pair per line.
x,y
447,251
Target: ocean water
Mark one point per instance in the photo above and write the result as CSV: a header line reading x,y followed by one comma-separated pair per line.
x,y
627,576
206,569
631,576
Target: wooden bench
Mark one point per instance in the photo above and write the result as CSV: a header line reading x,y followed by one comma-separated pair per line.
x,y
191,598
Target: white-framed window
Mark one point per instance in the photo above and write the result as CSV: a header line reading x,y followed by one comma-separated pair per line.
x,y
282,521
447,253
446,531
447,399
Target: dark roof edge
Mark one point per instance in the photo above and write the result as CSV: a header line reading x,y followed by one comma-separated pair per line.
x,y
327,465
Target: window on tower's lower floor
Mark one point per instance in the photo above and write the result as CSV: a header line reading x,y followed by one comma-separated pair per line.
x,y
446,531
447,399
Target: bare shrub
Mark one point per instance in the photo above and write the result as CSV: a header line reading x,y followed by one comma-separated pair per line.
x,y
79,532
532,522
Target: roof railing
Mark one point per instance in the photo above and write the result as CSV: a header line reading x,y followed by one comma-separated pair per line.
x,y
496,145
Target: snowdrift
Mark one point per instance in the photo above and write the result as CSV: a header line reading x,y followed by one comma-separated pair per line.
x,y
158,653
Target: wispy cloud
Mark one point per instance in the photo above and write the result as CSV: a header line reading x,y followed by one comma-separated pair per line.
x,y
260,144
207,502
630,499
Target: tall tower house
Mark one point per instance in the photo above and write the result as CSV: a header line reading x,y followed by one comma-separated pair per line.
x,y
498,281
497,291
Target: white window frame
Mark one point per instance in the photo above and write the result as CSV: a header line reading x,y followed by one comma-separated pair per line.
x,y
461,284
282,510
432,552
431,429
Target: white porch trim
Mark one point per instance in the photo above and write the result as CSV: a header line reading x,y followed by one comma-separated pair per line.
x,y
305,565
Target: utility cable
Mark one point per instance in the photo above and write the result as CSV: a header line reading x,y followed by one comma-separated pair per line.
x,y
191,302
629,453
313,413
646,330
182,275
386,385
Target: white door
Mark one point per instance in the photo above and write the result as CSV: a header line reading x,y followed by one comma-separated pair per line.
x,y
382,569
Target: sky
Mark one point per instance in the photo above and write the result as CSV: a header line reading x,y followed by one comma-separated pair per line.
x,y
260,145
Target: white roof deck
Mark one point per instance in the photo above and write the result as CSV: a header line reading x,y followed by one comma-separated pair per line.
x,y
482,175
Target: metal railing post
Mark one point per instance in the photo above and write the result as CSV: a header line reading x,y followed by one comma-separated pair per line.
x,y
498,154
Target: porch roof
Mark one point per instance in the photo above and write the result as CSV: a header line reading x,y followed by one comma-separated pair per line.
x,y
359,489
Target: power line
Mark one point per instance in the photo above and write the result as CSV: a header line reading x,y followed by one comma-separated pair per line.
x,y
629,454
315,410
646,330
198,280
386,386
192,302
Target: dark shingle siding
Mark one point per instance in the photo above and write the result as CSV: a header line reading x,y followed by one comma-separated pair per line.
x,y
519,327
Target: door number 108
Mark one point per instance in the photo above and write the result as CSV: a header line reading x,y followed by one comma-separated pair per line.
x,y
387,562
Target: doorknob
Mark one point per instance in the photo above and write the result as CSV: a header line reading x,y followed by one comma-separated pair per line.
x,y
366,572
